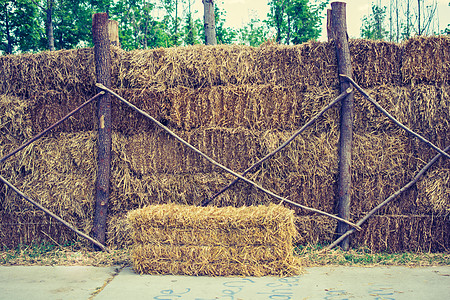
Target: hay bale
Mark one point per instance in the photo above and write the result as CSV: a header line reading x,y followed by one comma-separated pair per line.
x,y
119,231
15,122
400,233
315,230
258,107
247,241
63,70
29,228
50,106
426,60
430,106
382,164
375,62
206,66
382,233
304,172
59,172
434,192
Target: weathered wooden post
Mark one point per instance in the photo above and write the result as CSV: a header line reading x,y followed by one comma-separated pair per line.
x,y
340,37
329,28
113,32
209,22
102,59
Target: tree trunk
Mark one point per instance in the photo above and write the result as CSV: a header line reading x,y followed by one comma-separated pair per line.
x,y
407,19
339,24
329,27
288,35
102,59
49,23
175,36
113,32
396,19
9,46
209,23
418,5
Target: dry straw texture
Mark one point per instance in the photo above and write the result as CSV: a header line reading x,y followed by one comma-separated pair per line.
x,y
434,192
382,233
426,60
246,241
235,103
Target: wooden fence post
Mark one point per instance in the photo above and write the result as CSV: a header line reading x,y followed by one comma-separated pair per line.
x,y
340,36
329,28
209,22
113,32
102,71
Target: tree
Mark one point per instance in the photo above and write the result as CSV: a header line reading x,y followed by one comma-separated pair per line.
x,y
173,20
447,30
47,8
295,21
137,28
276,17
373,24
303,21
254,33
19,27
209,22
224,35
191,30
408,17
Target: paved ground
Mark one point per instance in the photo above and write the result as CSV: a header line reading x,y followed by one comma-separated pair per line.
x,y
317,283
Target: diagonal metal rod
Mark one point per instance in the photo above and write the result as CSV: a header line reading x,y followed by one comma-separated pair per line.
x,y
38,136
389,199
287,142
101,86
380,108
101,246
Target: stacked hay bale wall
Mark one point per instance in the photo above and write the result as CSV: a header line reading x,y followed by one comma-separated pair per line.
x,y
188,240
235,103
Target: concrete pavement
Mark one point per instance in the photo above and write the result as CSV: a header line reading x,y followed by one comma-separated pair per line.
x,y
60,282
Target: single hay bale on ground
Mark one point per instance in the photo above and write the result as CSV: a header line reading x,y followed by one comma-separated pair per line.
x,y
246,241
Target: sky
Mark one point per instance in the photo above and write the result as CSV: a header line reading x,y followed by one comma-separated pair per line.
x,y
239,12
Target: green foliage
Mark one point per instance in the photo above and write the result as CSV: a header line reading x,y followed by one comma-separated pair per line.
x,y
254,33
295,21
373,24
225,35
23,23
72,21
137,28
19,27
190,31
